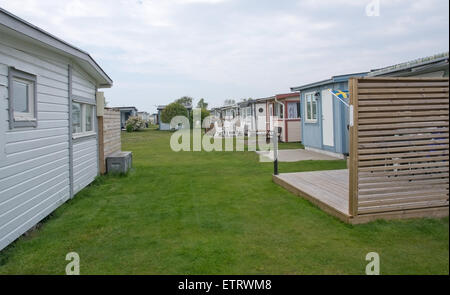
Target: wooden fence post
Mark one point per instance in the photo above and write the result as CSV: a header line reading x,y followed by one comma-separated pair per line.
x,y
101,146
353,155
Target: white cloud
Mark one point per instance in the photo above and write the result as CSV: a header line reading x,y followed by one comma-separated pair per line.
x,y
156,50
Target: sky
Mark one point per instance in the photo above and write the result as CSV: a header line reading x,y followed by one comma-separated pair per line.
x,y
159,50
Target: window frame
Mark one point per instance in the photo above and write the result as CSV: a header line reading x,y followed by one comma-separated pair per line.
x,y
85,117
313,99
83,133
21,119
73,117
277,111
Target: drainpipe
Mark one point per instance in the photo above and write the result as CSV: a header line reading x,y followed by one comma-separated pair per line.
x,y
71,181
275,145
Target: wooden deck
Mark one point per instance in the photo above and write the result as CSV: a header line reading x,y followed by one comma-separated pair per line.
x,y
329,190
398,154
326,189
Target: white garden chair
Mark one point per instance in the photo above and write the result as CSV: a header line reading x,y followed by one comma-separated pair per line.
x,y
218,129
228,128
240,128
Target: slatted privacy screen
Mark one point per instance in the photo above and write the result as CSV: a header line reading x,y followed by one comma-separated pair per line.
x,y
399,144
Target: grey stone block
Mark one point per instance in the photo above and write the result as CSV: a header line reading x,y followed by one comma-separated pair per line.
x,y
119,162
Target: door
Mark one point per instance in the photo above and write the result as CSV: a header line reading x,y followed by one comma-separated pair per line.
x,y
261,117
126,117
327,119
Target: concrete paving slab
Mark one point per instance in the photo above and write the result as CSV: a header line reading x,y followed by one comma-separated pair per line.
x,y
294,155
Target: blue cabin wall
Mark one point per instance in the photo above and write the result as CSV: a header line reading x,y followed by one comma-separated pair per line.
x,y
312,132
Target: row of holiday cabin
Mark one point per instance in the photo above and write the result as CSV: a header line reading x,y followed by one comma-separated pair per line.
x,y
260,115
310,114
313,114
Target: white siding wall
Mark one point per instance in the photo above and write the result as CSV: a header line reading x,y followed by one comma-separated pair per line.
x,y
34,162
85,150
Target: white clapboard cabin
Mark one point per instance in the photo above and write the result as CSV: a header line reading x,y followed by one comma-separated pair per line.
x,y
48,124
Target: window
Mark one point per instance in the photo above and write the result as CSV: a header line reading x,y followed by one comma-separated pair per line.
x,y
82,119
260,110
311,107
246,112
76,117
278,111
89,118
293,110
22,99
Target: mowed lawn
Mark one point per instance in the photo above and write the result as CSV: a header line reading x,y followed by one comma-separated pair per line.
x,y
215,213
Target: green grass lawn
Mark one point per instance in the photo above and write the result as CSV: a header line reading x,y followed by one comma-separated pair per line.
x,y
281,145
215,213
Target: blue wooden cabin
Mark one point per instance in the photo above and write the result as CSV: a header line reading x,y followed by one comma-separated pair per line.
x,y
325,117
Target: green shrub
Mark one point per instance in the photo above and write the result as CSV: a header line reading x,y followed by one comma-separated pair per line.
x,y
134,124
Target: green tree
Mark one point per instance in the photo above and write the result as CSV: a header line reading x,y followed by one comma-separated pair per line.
x,y
202,104
172,110
185,101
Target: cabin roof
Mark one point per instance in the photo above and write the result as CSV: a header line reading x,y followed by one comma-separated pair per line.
x,y
333,79
125,108
287,95
419,64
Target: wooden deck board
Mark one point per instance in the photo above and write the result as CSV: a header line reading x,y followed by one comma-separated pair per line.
x,y
327,189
